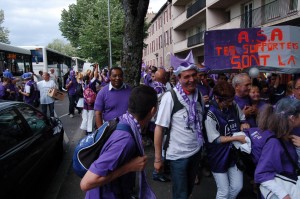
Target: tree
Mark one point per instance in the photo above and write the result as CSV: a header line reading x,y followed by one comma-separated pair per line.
x,y
85,25
62,47
3,31
135,12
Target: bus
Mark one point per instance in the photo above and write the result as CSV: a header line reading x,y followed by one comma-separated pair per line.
x,y
43,59
78,63
16,60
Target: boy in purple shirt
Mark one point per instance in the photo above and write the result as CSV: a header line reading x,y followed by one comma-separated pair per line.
x,y
112,175
112,99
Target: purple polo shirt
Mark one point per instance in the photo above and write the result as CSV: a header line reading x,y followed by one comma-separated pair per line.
x,y
242,102
112,102
117,151
2,91
72,88
273,160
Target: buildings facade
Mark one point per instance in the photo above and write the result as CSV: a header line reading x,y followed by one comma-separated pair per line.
x,y
189,19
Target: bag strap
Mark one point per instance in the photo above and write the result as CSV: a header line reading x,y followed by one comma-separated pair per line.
x,y
290,157
177,106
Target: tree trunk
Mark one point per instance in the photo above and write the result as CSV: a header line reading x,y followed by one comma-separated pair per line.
x,y
135,12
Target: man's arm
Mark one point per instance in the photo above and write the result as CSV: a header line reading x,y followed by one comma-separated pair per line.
x,y
158,137
98,118
91,180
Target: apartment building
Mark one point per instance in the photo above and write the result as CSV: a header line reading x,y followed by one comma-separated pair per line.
x,y
191,18
159,41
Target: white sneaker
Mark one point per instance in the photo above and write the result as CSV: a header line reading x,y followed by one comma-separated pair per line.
x,y
71,115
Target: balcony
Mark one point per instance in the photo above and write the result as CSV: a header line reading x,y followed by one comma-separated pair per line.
x,y
196,39
269,13
196,7
276,12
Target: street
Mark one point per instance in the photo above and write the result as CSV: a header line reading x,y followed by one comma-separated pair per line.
x,y
65,184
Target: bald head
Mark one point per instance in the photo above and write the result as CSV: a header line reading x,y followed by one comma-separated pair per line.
x,y
160,76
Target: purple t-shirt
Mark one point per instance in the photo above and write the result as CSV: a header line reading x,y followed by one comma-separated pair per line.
x,y
112,103
2,91
273,160
242,102
117,151
258,140
72,88
29,99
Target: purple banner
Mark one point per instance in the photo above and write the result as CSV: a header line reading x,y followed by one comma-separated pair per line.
x,y
270,48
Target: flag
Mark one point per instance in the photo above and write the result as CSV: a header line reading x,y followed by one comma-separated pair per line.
x,y
175,61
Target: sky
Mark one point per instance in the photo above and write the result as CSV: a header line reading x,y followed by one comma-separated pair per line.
x,y
35,22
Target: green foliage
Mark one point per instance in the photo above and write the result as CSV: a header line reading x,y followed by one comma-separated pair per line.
x,y
61,46
3,31
85,25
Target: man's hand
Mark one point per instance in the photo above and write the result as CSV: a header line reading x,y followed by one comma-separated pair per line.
x,y
296,140
138,163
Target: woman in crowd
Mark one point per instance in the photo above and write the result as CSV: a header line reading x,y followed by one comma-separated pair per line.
x,y
280,119
223,119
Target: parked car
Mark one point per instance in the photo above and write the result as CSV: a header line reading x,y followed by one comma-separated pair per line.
x,y
31,148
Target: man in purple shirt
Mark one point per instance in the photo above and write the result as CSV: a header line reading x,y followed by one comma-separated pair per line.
x,y
112,99
112,175
241,83
71,85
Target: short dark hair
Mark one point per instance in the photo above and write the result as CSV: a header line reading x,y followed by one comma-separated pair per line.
x,y
115,68
142,99
224,90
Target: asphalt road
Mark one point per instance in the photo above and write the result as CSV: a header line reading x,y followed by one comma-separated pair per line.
x,y
65,184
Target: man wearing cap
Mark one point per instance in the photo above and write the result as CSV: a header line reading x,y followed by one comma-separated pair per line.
x,y
10,87
185,131
30,89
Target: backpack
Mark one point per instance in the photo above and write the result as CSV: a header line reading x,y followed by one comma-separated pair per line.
x,y
177,106
89,96
88,149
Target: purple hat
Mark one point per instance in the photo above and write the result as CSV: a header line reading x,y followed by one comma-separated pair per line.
x,y
183,67
27,76
8,74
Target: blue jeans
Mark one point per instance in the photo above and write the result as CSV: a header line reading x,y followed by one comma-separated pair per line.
x,y
183,174
51,109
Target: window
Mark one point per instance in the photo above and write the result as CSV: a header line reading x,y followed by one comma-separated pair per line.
x,y
248,7
167,37
293,5
271,9
35,119
170,35
11,133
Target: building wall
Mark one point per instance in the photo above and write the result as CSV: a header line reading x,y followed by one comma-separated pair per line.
x,y
187,31
159,41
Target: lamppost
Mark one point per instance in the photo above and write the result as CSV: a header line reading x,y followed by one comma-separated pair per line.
x,y
156,55
109,39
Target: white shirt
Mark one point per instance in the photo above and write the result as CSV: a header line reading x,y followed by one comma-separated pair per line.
x,y
44,87
183,141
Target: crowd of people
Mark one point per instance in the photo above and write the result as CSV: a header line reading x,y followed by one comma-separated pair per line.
x,y
192,119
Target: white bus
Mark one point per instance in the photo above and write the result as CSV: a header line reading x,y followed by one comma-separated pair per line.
x,y
16,60
77,63
44,58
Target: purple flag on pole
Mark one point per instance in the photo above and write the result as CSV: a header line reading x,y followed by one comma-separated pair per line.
x,y
175,61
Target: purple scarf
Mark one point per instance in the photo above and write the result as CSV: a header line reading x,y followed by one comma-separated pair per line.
x,y
193,119
145,192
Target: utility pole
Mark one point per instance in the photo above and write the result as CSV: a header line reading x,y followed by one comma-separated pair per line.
x,y
109,39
